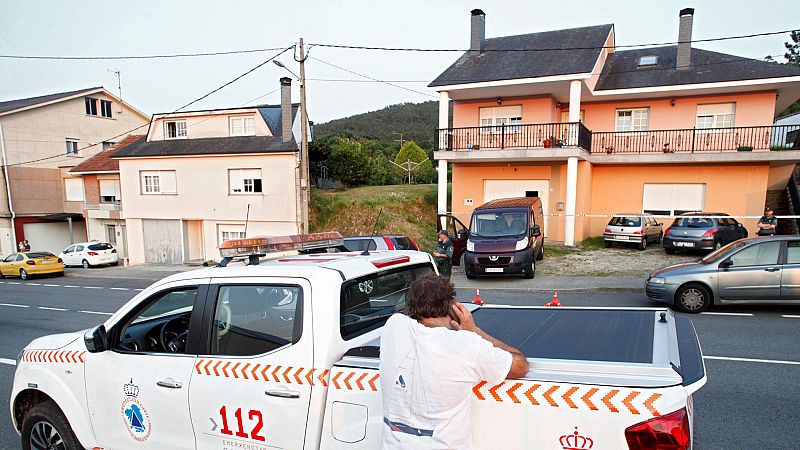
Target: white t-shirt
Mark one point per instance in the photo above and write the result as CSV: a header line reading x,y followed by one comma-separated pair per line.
x,y
427,376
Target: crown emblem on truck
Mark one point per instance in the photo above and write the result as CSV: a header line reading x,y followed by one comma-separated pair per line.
x,y
575,441
130,389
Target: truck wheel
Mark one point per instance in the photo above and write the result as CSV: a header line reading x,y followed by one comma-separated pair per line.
x,y
530,270
45,427
643,244
469,274
669,251
540,255
692,298
608,244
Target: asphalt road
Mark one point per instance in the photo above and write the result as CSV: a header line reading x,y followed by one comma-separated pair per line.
x,y
752,353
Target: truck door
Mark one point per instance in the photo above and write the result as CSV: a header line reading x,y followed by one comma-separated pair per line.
x,y
457,233
138,390
252,387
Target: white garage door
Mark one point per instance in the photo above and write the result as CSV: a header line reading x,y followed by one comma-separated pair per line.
x,y
162,241
494,189
53,236
673,199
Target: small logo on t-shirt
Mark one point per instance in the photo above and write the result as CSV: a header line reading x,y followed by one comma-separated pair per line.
x,y
400,383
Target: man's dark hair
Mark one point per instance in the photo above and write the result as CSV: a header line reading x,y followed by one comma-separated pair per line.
x,y
430,296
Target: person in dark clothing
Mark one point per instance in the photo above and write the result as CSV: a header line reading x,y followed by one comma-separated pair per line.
x,y
26,245
768,223
443,254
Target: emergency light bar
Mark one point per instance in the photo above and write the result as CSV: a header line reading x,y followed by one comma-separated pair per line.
x,y
262,245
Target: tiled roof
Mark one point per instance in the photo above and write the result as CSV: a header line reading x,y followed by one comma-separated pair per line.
x,y
25,102
102,161
207,146
621,70
473,67
272,115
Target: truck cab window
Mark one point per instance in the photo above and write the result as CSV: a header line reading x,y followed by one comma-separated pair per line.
x,y
256,319
162,326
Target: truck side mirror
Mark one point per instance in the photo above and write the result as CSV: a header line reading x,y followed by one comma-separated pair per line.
x,y
725,264
536,231
96,339
463,233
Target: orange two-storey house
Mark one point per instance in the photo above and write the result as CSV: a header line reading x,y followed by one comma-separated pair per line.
x,y
594,129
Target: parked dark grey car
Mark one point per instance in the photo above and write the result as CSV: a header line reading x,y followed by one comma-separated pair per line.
x,y
762,270
699,231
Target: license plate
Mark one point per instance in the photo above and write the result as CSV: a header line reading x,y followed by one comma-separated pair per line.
x,y
494,269
684,244
47,261
622,238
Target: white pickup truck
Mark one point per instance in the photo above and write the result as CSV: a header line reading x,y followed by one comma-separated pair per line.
x,y
284,354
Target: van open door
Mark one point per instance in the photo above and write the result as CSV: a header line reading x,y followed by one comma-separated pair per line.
x,y
457,233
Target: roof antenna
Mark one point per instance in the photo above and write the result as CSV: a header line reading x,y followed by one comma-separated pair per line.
x,y
366,250
246,219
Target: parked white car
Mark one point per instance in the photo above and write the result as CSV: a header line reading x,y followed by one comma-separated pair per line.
x,y
89,254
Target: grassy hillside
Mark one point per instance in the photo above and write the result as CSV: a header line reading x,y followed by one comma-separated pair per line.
x,y
407,209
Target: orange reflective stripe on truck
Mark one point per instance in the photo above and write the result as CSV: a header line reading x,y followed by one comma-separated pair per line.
x,y
53,356
267,372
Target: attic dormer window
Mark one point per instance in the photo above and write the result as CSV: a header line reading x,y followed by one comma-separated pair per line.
x,y
648,61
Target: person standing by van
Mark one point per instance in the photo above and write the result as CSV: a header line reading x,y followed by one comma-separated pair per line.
x,y
443,255
768,223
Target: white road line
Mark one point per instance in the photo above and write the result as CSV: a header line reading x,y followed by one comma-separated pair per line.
x,y
768,361
33,284
50,285
70,286
14,282
10,362
791,316
96,312
138,289
93,287
14,305
119,289
51,309
727,314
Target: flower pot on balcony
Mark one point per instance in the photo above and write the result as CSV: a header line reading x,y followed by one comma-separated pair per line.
x,y
547,143
744,148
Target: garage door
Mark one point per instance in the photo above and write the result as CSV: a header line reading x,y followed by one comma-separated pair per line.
x,y
53,236
494,189
162,241
673,199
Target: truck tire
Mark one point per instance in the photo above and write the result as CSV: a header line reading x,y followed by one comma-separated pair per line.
x,y
469,274
530,270
45,426
693,298
540,255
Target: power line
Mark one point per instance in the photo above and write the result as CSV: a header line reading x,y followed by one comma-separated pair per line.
x,y
374,79
548,49
176,55
124,133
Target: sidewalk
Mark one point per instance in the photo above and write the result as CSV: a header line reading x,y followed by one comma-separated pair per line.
x,y
550,283
151,272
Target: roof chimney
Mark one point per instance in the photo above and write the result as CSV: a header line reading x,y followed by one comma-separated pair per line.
x,y
286,109
477,31
684,59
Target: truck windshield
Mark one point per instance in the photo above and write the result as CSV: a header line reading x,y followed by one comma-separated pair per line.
x,y
498,224
367,302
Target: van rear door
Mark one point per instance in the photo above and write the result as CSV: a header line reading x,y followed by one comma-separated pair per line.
x,y
457,233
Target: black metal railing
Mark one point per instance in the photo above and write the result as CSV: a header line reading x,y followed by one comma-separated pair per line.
x,y
694,140
794,200
499,137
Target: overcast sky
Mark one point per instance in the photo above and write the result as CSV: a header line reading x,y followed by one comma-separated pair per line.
x,y
110,27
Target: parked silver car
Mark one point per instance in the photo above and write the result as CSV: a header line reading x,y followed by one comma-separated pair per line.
x,y
762,270
639,229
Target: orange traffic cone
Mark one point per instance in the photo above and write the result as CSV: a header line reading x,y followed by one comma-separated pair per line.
x,y
555,301
478,300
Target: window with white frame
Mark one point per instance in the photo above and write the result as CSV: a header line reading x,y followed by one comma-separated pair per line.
x,y
245,181
91,106
72,147
109,191
716,115
105,108
73,189
501,115
158,182
228,232
243,126
673,199
175,129
635,119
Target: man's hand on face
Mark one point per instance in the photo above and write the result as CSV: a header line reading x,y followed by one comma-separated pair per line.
x,y
465,317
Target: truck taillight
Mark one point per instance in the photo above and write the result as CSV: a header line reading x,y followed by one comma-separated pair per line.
x,y
710,232
669,432
389,243
92,253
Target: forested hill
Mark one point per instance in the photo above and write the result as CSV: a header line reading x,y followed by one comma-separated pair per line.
x,y
416,121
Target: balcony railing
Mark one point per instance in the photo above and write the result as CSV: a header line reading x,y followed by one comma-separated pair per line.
x,y
500,137
110,206
574,134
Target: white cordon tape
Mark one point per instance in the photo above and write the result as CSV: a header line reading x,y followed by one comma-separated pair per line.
x,y
645,215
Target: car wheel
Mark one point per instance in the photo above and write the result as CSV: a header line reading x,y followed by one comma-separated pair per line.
x,y
530,270
23,274
608,244
669,251
692,298
469,274
540,255
115,263
60,274
717,245
85,264
643,244
45,427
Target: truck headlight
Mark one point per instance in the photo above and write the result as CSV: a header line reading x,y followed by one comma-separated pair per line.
x,y
522,244
657,280
470,246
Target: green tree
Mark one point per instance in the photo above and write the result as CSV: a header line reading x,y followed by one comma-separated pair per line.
x,y
348,163
792,57
424,173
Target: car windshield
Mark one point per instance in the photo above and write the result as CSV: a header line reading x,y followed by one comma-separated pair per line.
x,y
100,246
626,221
722,252
32,255
498,224
693,222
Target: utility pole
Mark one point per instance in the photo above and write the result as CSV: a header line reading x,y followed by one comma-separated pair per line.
x,y
401,140
304,175
118,74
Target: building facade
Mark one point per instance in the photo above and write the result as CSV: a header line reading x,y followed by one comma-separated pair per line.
x,y
595,130
41,139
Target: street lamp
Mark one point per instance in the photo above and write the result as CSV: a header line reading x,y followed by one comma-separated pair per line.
x,y
280,64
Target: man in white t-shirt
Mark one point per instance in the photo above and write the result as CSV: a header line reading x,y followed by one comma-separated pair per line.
x,y
429,364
